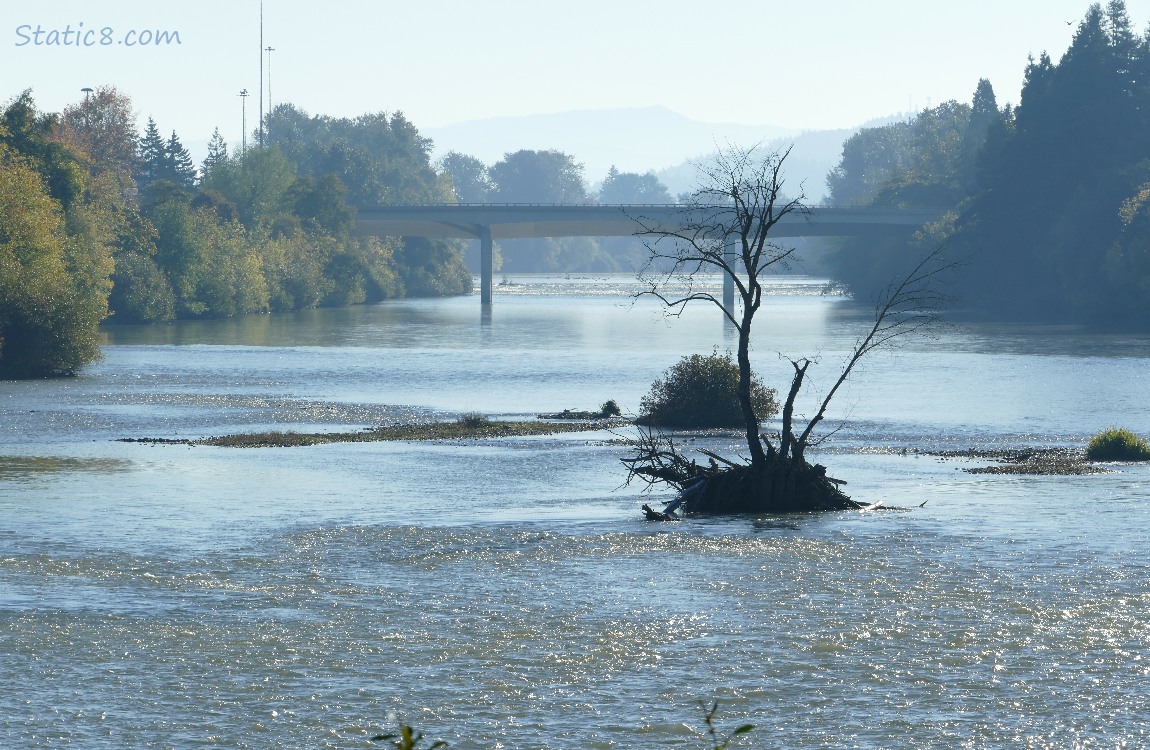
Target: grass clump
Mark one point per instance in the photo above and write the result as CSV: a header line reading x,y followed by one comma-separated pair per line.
x,y
1117,444
474,419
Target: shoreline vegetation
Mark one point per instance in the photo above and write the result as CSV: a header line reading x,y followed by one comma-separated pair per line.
x,y
1020,460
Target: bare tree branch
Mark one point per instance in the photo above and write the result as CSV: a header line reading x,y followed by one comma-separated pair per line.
x,y
907,306
725,229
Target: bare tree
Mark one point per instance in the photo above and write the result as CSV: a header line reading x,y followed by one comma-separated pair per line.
x,y
726,228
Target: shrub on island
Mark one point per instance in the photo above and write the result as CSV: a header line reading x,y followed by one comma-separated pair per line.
x,y
1117,444
701,391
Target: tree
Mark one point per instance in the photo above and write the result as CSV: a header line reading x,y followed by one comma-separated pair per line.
x,y
1046,216
383,159
30,133
256,181
630,187
217,152
163,163
545,177
726,227
142,293
152,157
183,169
538,177
102,126
469,178
50,307
739,203
938,159
322,203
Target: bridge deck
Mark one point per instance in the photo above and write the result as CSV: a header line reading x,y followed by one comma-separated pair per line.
x,y
514,221
496,221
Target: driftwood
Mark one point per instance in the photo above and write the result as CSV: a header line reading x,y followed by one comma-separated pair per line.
x,y
777,479
782,484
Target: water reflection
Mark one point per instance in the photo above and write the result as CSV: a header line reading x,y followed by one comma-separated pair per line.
x,y
25,468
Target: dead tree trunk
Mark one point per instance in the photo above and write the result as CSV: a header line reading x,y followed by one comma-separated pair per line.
x,y
780,482
739,204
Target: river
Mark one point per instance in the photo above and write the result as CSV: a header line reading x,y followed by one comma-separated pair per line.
x,y
508,594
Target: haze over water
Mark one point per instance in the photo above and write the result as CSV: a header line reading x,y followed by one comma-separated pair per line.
x,y
508,594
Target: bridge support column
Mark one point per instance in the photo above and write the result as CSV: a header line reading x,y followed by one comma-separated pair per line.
x,y
729,255
486,251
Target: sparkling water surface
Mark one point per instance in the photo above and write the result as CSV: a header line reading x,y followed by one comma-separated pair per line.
x,y
507,594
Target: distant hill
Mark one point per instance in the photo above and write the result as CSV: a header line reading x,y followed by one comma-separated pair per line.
x,y
814,154
643,139
638,139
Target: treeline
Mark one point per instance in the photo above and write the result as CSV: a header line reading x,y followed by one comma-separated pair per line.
x,y
1046,204
98,222
550,176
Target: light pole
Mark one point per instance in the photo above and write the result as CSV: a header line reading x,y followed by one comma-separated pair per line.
x,y
87,112
270,50
244,120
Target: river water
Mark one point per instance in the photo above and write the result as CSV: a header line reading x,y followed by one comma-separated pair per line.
x,y
507,594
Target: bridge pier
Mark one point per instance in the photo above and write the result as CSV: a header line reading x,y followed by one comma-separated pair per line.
x,y
729,256
486,253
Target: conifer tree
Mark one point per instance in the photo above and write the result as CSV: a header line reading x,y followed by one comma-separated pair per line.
x,y
217,152
179,162
151,156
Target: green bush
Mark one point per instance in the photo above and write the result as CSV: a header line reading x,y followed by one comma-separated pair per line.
x,y
609,409
1117,444
701,391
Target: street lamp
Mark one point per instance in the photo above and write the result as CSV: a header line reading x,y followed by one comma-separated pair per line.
x,y
87,112
244,120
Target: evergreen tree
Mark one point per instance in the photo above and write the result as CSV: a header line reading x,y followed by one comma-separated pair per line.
x,y
1040,230
984,115
217,152
151,157
179,161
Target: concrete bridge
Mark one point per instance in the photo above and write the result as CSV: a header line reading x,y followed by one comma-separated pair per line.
x,y
489,222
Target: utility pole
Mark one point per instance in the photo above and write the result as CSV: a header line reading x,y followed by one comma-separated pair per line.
x,y
270,50
261,73
244,120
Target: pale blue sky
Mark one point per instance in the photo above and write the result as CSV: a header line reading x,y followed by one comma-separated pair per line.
x,y
811,64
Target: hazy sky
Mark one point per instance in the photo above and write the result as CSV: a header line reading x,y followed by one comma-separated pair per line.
x,y
810,64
